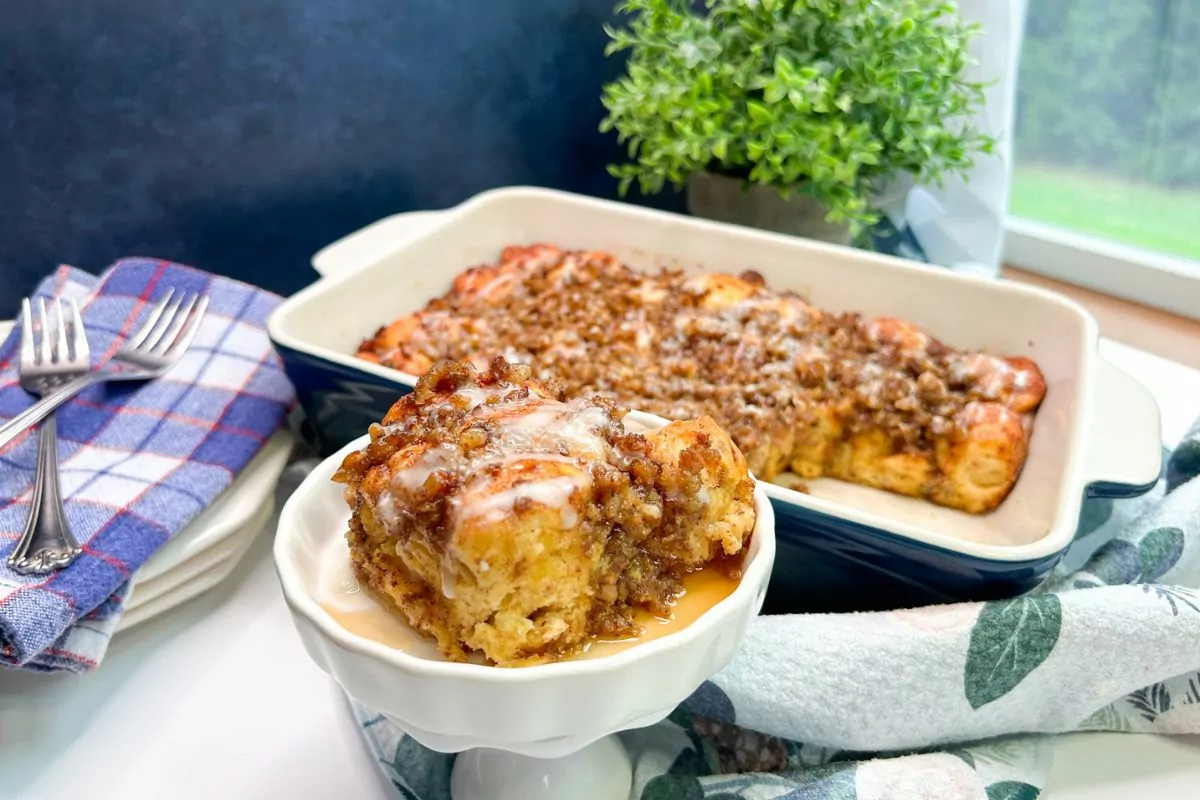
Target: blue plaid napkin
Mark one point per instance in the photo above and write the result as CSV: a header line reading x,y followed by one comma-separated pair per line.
x,y
138,461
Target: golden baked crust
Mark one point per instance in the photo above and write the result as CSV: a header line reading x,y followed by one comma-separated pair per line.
x,y
500,518
873,401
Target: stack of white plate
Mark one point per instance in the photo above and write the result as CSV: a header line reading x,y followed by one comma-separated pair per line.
x,y
211,545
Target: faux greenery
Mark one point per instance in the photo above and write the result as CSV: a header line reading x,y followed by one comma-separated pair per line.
x,y
829,97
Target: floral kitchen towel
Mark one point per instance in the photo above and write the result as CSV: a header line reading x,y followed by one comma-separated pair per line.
x,y
949,702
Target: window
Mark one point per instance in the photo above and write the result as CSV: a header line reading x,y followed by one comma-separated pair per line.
x,y
1106,182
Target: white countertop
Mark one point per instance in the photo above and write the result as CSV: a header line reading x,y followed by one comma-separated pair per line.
x,y
217,699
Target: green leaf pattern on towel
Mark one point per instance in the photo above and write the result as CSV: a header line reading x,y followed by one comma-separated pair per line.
x,y
1106,719
673,787
1115,563
1151,701
1010,639
1012,790
1191,695
1159,551
1185,463
1175,596
1120,561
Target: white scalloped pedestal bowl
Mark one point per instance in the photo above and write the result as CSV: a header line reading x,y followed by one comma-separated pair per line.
x,y
547,711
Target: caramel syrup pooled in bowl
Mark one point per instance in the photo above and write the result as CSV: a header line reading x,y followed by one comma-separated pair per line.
x,y
702,590
361,614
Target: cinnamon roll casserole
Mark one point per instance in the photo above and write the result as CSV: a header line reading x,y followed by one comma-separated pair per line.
x,y
872,401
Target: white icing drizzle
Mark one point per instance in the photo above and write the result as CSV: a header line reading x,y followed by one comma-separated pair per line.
x,y
565,270
533,429
992,377
475,395
995,379
385,510
414,476
870,387
515,457
574,422
550,492
874,328
448,581
497,284
513,357
958,371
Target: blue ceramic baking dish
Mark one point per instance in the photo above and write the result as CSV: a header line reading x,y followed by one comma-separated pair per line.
x,y
840,547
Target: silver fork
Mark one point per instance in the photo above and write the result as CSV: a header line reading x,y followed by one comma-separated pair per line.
x,y
163,338
47,362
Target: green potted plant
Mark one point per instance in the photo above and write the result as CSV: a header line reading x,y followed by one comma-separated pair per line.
x,y
792,115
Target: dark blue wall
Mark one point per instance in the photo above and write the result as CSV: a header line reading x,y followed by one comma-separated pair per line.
x,y
242,135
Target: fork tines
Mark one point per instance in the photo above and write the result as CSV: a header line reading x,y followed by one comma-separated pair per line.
x,y
52,346
171,324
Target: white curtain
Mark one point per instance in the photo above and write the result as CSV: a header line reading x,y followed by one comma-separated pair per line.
x,y
961,225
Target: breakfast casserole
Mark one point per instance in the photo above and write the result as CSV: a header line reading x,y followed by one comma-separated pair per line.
x,y
500,517
876,401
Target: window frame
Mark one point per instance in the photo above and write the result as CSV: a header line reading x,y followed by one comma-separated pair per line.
x,y
1144,276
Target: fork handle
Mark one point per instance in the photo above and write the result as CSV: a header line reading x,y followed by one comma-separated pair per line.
x,y
47,544
44,407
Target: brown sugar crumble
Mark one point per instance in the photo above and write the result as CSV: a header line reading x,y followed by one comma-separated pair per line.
x,y
872,401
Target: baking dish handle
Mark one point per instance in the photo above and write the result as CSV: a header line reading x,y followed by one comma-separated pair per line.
x,y
1124,455
367,245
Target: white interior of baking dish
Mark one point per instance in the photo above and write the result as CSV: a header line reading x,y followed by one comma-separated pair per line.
x,y
331,317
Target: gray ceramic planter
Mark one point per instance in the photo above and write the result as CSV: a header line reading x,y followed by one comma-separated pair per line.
x,y
721,198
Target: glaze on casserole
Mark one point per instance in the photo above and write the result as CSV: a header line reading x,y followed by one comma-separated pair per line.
x,y
872,401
